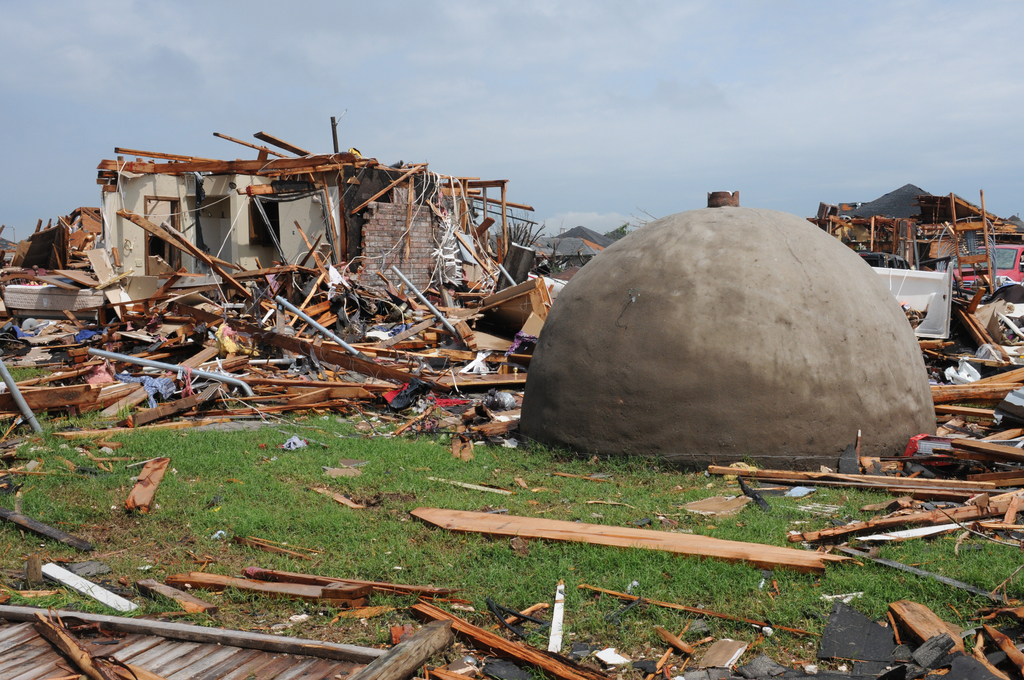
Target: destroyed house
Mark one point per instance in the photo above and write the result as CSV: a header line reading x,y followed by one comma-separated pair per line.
x,y
164,212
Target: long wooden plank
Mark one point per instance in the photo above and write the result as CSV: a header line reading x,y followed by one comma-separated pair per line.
x,y
947,394
142,493
37,527
407,333
136,396
336,593
996,506
45,398
880,481
759,555
315,580
943,409
1001,451
190,633
171,408
550,664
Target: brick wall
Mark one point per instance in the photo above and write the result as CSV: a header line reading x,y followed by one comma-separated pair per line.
x,y
384,244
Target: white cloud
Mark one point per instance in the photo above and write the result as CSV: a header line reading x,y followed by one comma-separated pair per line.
x,y
589,108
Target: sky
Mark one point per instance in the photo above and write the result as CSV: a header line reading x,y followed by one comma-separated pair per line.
x,y
597,112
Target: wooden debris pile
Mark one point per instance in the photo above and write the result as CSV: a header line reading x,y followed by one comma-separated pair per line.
x,y
415,329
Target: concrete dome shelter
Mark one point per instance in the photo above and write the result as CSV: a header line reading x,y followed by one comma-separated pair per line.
x,y
714,335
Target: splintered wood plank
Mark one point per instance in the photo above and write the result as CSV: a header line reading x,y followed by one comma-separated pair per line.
x,y
556,667
761,556
337,593
922,624
1002,451
142,493
137,396
402,660
186,601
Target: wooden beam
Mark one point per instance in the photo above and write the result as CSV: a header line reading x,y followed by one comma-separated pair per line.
x,y
316,580
281,144
340,594
1001,451
759,555
206,635
183,244
257,147
404,659
996,506
36,527
61,638
386,189
171,408
551,664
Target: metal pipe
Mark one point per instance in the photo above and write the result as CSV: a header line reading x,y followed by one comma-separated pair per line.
x,y
326,333
511,281
433,310
26,412
138,361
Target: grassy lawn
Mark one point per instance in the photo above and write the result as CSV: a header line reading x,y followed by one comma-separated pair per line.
x,y
242,484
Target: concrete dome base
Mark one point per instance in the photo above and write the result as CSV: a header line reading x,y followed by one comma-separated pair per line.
x,y
715,335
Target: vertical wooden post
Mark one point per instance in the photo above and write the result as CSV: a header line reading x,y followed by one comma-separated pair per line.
x,y
989,256
504,224
483,247
872,246
33,571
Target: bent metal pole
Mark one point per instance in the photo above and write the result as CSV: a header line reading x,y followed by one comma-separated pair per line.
x,y
422,298
149,363
26,412
326,333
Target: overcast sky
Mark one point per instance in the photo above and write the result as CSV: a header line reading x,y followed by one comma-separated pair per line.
x,y
595,111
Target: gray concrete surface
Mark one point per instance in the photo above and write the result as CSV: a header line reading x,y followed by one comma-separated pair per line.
x,y
719,334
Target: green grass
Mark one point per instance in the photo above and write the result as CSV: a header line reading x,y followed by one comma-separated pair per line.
x,y
242,484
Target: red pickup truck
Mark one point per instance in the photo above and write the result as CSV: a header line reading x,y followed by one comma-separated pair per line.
x,y
1009,264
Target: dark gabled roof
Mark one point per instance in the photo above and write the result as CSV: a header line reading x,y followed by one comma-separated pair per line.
x,y
567,247
899,203
589,235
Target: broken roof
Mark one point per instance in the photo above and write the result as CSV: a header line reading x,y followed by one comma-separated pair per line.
x,y
901,203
